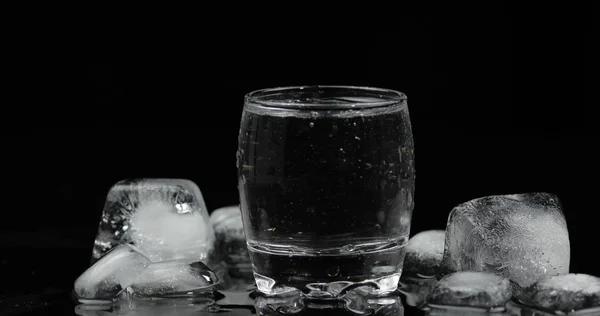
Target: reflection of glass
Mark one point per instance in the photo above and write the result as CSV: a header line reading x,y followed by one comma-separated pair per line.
x,y
326,180
351,304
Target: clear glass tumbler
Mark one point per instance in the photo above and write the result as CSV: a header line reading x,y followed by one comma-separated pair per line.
x,y
326,182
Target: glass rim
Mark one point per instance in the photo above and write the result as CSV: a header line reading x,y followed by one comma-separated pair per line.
x,y
355,98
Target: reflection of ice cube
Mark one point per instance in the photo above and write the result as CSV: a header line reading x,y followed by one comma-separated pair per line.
x,y
165,218
360,304
175,277
515,308
416,289
466,311
277,305
110,275
424,253
522,237
473,289
149,307
564,293
231,241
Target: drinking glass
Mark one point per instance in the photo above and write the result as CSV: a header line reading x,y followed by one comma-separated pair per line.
x,y
326,183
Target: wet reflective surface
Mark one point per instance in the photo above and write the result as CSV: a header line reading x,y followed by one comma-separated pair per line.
x,y
400,303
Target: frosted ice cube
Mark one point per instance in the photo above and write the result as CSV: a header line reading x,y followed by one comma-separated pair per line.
x,y
565,293
165,218
175,277
473,289
521,236
110,275
231,241
424,253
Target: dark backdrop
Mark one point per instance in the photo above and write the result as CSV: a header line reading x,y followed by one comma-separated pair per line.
x,y
168,104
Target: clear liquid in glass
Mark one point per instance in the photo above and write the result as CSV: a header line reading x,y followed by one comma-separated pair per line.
x,y
326,196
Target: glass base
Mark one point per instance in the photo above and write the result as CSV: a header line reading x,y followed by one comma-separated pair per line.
x,y
372,287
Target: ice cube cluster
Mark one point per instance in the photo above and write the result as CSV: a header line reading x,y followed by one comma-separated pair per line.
x,y
154,240
521,236
496,248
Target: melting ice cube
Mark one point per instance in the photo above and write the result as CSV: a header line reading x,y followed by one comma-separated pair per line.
x,y
521,236
424,253
165,218
566,293
110,275
473,289
175,277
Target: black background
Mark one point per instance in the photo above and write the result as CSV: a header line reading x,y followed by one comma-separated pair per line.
x,y
167,103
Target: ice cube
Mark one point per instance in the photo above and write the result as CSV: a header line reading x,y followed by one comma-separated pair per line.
x,y
424,253
110,275
174,278
231,241
474,289
521,236
566,293
165,218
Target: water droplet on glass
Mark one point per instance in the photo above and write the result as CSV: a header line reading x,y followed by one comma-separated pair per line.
x,y
354,123
368,165
311,124
356,137
314,114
